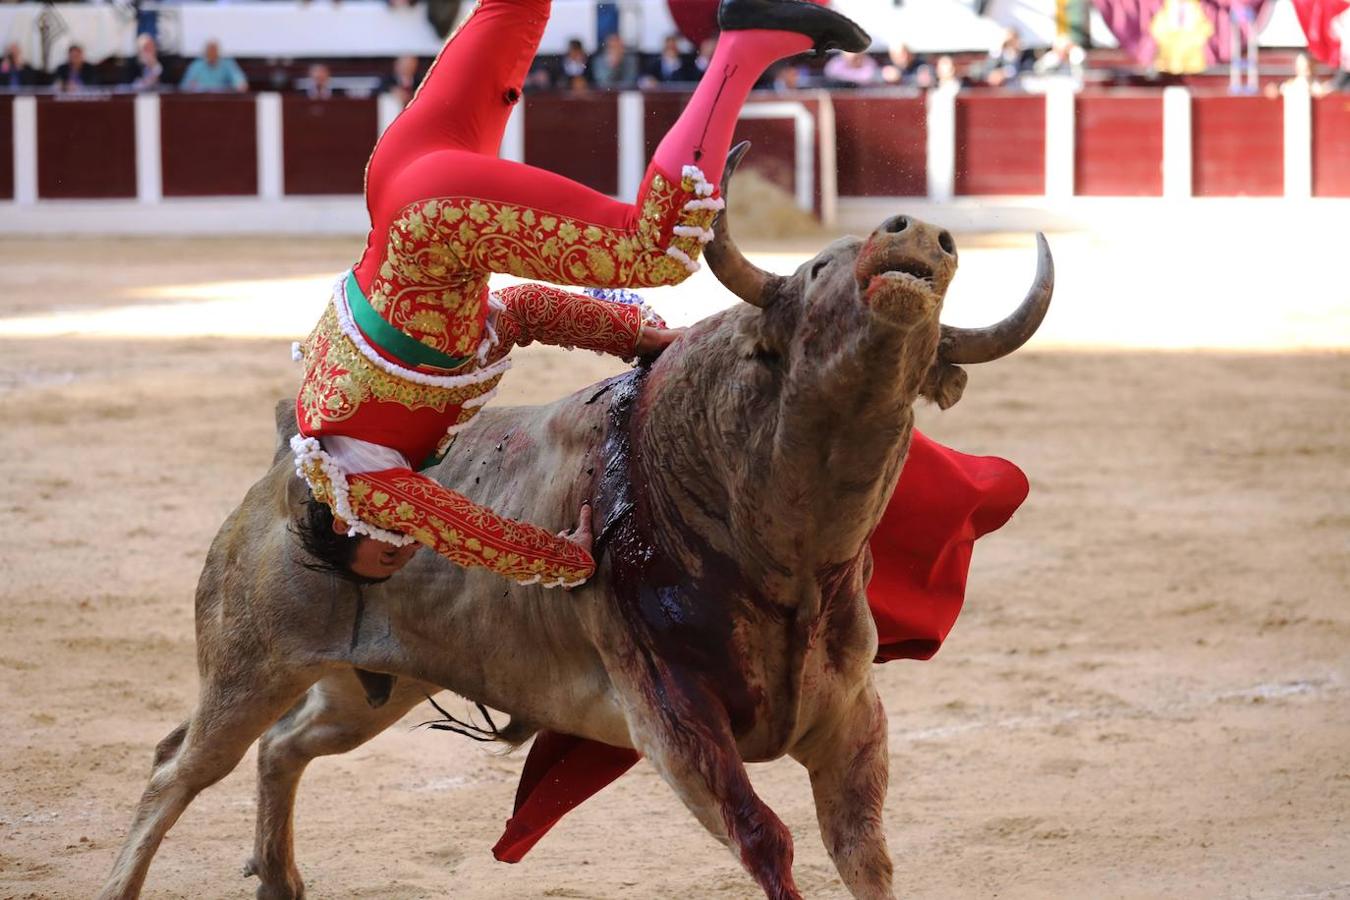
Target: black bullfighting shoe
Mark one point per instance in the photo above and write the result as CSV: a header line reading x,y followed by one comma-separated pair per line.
x,y
829,29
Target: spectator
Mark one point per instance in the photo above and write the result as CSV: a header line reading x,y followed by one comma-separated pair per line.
x,y
212,73
1302,81
575,67
671,67
851,70
320,82
906,69
402,81
75,75
144,72
15,72
1063,58
614,67
1008,62
789,77
945,74
704,57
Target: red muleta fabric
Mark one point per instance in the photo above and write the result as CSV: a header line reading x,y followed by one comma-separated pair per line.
x,y
920,554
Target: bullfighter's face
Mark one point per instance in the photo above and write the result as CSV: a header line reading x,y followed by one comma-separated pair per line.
x,y
376,560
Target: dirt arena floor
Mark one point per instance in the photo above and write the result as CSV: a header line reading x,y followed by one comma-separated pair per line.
x,y
1148,694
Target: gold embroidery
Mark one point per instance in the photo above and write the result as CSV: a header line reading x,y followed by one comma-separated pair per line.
x,y
464,532
339,378
440,251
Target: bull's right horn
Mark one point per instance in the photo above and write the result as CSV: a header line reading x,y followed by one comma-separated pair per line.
x,y
981,345
737,274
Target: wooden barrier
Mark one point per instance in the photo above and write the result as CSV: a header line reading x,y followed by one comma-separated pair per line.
x,y
1331,146
1238,146
1000,144
1118,145
6,148
86,148
576,137
882,148
327,143
209,146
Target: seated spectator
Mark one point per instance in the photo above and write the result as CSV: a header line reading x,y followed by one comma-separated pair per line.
x,y
144,72
75,75
1007,63
575,68
788,77
1063,58
704,57
1302,81
15,72
907,69
320,83
851,70
671,67
944,74
403,79
614,67
212,73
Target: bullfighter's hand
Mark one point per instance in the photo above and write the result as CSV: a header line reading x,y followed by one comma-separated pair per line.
x,y
653,340
581,535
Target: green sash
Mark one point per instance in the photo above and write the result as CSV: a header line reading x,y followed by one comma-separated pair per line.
x,y
407,349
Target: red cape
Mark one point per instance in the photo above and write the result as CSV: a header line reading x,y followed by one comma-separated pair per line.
x,y
920,556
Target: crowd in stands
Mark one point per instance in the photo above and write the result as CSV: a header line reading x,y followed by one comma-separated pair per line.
x,y
614,66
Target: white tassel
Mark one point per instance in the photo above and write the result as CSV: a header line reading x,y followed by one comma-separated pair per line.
x,y
309,451
704,235
684,258
713,203
296,354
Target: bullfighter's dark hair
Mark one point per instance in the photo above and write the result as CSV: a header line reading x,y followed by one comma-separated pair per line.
x,y
328,551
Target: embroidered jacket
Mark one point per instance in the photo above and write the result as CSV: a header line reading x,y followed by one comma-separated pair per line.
x,y
362,381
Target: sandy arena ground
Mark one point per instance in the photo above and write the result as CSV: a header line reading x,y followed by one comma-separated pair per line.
x,y
1147,696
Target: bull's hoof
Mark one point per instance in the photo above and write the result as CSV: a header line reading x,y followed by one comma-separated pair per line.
x,y
288,887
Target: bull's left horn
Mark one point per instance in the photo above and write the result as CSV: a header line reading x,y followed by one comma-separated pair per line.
x,y
737,274
980,345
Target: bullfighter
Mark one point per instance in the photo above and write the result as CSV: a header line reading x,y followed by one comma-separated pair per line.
x,y
413,343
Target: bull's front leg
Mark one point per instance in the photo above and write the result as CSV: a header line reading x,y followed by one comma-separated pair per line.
x,y
685,733
847,759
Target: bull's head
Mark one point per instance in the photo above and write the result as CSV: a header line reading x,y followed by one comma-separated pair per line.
x,y
886,291
805,401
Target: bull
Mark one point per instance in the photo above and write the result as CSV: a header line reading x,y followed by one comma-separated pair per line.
x,y
736,481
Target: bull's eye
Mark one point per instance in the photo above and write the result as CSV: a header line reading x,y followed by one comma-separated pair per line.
x,y
815,270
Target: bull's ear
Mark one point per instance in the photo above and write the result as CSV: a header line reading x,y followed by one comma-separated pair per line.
x,y
944,384
758,337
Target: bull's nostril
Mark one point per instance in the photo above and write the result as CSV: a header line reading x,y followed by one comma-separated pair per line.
x,y
946,243
897,224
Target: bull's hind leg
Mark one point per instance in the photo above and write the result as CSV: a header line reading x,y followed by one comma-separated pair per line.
x,y
848,763
333,718
232,710
690,742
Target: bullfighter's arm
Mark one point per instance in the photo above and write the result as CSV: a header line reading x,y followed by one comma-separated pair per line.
x,y
402,501
550,315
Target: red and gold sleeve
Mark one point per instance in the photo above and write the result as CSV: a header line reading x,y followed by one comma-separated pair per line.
x,y
550,315
465,533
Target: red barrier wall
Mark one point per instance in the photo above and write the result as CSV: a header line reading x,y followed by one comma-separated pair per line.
x,y
882,146
6,148
327,143
86,148
208,145
1000,144
1237,146
773,155
1118,145
1331,146
575,136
